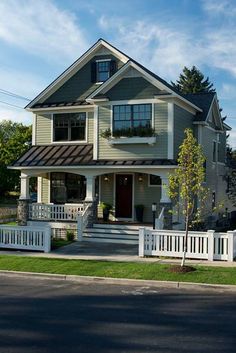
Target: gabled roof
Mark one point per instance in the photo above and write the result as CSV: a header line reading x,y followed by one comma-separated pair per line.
x,y
149,75
203,101
72,69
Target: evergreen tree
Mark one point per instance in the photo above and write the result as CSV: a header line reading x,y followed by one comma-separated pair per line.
x,y
193,81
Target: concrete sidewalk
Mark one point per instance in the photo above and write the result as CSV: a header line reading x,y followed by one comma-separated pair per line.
x,y
109,252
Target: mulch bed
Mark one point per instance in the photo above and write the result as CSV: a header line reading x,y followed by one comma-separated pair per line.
x,y
181,269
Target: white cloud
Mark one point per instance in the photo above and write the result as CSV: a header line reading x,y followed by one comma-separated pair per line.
x,y
14,114
41,28
219,7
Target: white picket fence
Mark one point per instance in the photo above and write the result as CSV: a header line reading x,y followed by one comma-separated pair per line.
x,y
25,238
201,245
39,211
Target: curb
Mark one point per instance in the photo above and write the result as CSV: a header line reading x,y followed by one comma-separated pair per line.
x,y
121,281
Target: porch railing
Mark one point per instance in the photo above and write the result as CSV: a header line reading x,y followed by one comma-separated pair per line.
x,y
83,220
25,238
54,212
201,245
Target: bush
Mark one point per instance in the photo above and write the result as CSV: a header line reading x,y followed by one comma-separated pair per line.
x,y
70,235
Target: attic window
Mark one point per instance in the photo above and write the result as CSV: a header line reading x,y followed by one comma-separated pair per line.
x,y
102,70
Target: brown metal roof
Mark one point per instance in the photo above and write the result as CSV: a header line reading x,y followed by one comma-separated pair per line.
x,y
76,155
61,104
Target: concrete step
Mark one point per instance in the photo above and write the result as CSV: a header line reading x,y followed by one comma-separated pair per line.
x,y
112,231
116,226
110,235
95,238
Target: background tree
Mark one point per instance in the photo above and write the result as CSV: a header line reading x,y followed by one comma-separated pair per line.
x,y
186,185
15,139
193,81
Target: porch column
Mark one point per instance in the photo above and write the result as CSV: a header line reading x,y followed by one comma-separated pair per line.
x,y
24,200
166,203
91,200
90,188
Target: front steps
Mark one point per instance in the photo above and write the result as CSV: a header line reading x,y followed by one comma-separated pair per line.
x,y
112,233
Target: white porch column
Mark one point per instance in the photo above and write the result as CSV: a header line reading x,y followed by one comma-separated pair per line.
x,y
164,190
24,187
90,188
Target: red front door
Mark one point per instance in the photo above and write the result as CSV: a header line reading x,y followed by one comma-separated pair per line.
x,y
124,195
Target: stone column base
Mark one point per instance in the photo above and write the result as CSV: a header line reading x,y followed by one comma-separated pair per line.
x,y
167,215
23,212
93,214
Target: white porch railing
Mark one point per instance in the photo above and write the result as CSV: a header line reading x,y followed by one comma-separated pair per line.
x,y
25,238
38,211
83,221
201,245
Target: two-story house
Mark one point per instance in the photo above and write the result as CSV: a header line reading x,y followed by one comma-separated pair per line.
x,y
109,129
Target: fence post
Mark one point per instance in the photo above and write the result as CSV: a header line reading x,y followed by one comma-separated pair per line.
x,y
80,228
47,239
230,235
141,242
210,236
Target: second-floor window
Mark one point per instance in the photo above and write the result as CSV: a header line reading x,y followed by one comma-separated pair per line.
x,y
132,116
69,127
102,70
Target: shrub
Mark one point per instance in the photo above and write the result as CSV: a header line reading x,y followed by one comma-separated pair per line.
x,y
70,235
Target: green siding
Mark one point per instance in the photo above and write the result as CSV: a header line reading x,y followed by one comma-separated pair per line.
x,y
90,127
158,150
132,88
45,197
143,194
43,129
182,120
222,148
79,86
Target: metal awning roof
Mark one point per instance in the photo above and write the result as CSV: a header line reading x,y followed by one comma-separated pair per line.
x,y
76,155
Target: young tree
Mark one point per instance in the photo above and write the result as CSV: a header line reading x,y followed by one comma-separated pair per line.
x,y
15,139
186,184
193,81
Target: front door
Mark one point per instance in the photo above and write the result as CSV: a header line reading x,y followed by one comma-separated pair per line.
x,y
124,195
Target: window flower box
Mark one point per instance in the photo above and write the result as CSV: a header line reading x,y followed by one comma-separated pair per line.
x,y
132,140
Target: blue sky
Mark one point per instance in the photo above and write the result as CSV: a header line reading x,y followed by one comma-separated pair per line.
x,y
39,39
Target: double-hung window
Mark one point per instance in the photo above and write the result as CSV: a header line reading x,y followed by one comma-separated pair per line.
x,y
132,116
103,70
70,127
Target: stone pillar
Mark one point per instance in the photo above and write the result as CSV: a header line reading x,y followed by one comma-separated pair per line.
x,y
24,200
23,212
92,218
166,203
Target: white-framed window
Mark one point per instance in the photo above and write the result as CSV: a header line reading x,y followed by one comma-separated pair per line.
x,y
69,127
102,70
154,180
131,116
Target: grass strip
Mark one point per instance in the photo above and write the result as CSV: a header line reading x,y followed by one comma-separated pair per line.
x,y
146,271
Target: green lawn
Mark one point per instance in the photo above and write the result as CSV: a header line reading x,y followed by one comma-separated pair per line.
x,y
149,271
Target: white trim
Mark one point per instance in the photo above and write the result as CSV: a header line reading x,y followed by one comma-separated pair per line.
x,y
102,60
99,188
52,132
75,67
49,187
154,81
95,133
132,101
170,153
99,167
54,110
153,116
39,189
114,196
34,130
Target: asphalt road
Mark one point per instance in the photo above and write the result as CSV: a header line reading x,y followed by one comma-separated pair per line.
x,y
42,316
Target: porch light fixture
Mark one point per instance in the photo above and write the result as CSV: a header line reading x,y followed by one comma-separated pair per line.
x,y
140,178
154,209
106,178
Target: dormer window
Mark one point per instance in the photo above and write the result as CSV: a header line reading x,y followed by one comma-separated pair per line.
x,y
102,70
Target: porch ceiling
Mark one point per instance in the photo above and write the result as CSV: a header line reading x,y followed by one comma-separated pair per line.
x,y
75,155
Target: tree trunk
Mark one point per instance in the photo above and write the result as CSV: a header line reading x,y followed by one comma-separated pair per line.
x,y
185,242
